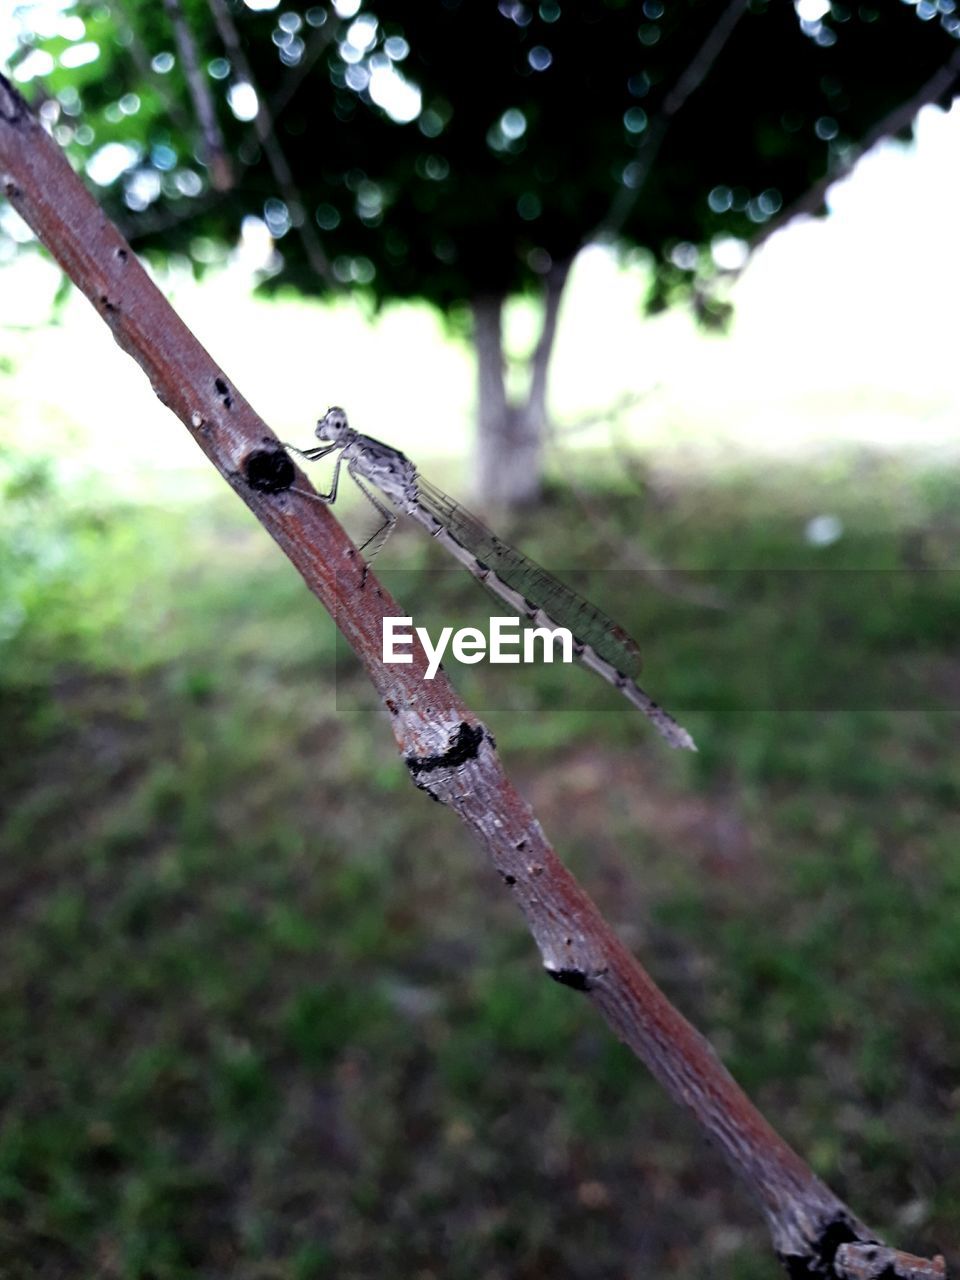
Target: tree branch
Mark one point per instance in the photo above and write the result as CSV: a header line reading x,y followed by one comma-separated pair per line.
x,y
141,60
812,200
869,1262
319,41
554,285
264,126
189,207
221,175
689,80
448,752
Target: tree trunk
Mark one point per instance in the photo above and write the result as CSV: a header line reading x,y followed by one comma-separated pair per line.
x,y
507,452
510,437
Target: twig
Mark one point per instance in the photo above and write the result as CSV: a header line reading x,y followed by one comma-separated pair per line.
x,y
629,400
448,752
870,1262
221,175
264,126
154,223
316,45
637,557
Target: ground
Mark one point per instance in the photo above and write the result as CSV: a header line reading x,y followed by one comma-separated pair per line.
x,y
267,1013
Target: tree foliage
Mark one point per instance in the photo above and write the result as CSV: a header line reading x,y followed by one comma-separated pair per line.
x,y
521,127
461,151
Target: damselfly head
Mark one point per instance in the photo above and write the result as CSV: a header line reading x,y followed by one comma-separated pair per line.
x,y
333,425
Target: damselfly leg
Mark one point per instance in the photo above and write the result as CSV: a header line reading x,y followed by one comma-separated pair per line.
x,y
388,519
379,536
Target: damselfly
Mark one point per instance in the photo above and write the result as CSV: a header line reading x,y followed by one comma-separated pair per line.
x,y
599,643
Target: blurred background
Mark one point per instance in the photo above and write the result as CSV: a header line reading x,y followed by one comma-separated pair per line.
x,y
264,1011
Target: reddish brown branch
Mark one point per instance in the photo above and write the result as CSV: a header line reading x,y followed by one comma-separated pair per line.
x,y
448,752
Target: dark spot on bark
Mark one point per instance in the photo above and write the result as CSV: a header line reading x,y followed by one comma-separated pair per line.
x,y
463,747
508,879
520,846
391,706
819,1262
223,391
575,978
268,470
121,254
108,307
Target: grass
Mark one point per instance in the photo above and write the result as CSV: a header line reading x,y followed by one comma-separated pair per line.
x,y
264,1011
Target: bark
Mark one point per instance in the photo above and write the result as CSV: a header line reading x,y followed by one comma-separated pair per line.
x,y
492,483
511,436
447,751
